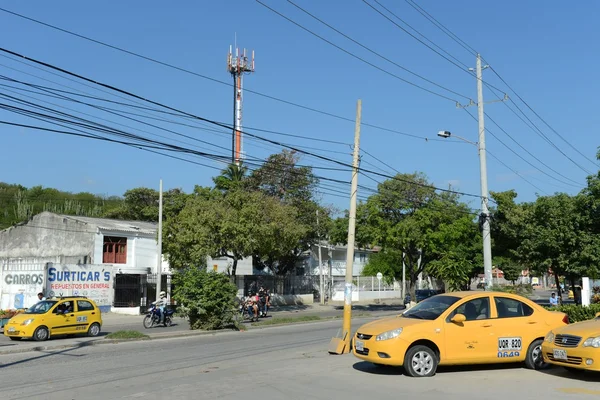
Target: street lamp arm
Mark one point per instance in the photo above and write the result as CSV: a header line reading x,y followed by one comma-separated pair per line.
x,y
464,140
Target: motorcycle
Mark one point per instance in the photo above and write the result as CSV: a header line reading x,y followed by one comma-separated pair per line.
x,y
153,318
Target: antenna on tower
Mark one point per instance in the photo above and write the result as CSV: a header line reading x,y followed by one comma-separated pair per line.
x,y
237,65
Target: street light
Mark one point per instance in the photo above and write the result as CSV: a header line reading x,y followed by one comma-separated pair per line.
x,y
485,215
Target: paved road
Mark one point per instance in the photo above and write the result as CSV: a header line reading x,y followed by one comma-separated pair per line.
x,y
117,322
283,362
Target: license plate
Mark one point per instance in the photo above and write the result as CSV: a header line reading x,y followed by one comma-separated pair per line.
x,y
359,345
560,354
11,329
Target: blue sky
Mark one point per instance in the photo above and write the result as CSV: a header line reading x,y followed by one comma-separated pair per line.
x,y
543,49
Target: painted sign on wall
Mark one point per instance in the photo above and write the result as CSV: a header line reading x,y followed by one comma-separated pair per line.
x,y
93,281
20,283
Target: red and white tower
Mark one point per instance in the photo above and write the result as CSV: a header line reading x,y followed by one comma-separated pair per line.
x,y
238,65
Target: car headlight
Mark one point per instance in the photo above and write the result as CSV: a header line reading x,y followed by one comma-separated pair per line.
x,y
27,322
550,337
389,335
592,342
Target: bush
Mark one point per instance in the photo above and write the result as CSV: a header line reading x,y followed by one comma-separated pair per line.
x,y
207,299
578,313
521,290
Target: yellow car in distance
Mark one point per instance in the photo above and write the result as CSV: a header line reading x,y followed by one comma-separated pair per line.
x,y
459,328
575,347
57,316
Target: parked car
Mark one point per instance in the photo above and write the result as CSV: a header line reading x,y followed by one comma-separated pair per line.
x,y
575,347
421,294
468,327
57,316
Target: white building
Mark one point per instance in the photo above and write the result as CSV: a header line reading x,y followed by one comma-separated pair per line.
x,y
126,249
333,258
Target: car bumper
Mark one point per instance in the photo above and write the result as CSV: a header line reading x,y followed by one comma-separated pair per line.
x,y
17,331
577,357
386,352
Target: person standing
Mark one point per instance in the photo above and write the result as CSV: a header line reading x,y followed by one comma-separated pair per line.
x,y
553,300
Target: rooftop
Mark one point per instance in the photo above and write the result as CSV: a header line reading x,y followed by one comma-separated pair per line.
x,y
149,228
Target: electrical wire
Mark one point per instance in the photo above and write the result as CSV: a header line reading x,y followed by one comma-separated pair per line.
x,y
441,27
180,69
122,91
376,53
354,55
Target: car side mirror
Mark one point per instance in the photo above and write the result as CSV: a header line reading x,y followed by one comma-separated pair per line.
x,y
458,319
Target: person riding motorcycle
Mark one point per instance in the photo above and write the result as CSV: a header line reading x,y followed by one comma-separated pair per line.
x,y
161,303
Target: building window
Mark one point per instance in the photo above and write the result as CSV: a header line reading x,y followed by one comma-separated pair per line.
x,y
115,250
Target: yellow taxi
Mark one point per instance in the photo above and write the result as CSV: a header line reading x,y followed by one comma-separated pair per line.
x,y
459,328
575,347
57,316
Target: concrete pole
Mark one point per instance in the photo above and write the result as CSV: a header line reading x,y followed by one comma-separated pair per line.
x,y
159,250
321,281
487,238
346,329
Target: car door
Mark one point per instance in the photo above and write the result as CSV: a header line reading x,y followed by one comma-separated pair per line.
x,y
470,341
85,315
514,326
61,319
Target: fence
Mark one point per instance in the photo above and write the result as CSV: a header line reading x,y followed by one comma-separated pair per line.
x,y
282,285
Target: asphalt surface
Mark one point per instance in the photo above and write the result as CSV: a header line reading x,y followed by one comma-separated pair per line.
x,y
117,322
288,362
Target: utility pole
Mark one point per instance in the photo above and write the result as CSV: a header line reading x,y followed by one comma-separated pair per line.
x,y
485,215
403,277
337,345
321,283
238,65
159,257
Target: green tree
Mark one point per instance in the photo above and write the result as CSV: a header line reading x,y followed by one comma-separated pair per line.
x,y
236,225
207,299
232,177
511,272
141,204
281,177
434,231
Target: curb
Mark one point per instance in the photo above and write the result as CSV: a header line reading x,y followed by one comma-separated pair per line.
x,y
174,335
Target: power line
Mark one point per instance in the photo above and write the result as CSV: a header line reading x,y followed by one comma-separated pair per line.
x,y
218,123
354,55
470,49
376,53
420,34
407,32
441,27
165,64
517,154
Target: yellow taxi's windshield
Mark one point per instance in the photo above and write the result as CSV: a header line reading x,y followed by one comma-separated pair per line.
x,y
431,308
41,308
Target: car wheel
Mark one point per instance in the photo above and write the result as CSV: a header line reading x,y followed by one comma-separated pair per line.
x,y
574,370
420,361
94,329
534,358
41,334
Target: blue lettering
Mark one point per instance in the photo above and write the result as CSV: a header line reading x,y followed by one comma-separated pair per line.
x,y
107,276
96,276
52,274
505,354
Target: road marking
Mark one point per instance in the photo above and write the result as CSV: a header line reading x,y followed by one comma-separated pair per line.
x,y
578,391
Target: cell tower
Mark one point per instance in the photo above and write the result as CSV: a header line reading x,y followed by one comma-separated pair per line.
x,y
238,65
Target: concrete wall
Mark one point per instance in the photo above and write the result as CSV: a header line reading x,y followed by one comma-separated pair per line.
x,y
244,266
48,235
291,300
365,295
